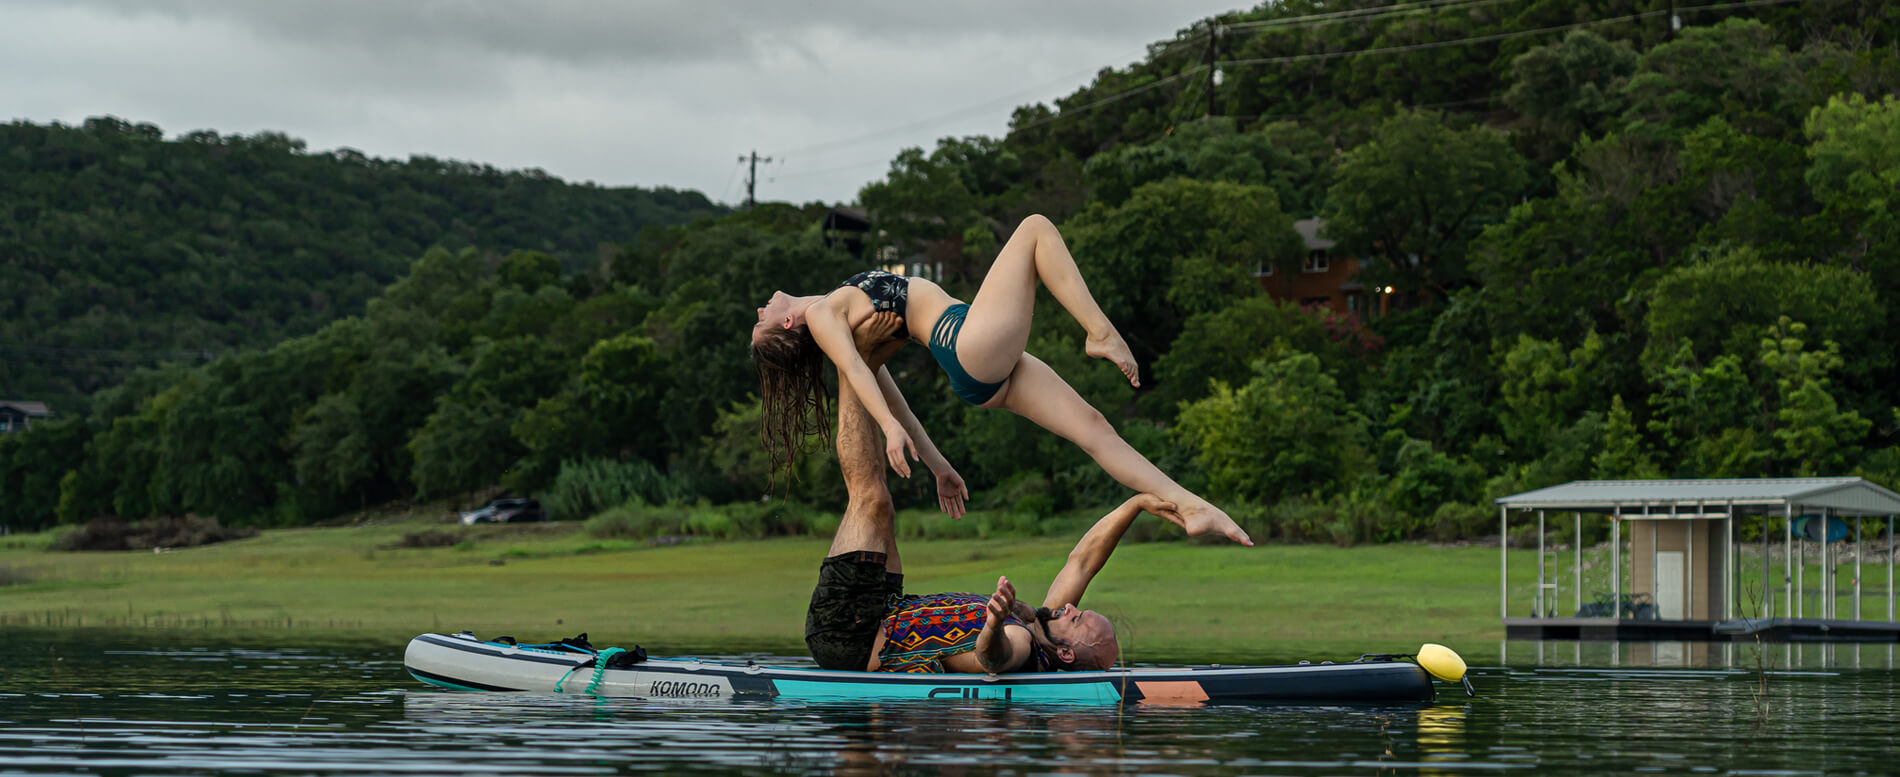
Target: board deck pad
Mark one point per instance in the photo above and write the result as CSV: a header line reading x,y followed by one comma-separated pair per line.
x,y
464,662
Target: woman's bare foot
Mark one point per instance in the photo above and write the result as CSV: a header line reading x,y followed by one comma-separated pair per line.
x,y
1112,347
1203,518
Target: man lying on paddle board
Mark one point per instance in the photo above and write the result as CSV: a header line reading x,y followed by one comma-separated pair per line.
x,y
860,618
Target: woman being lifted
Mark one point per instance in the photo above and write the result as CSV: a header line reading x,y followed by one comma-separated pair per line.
x,y
979,345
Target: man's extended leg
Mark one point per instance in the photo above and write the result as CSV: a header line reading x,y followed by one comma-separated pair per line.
x,y
869,522
862,574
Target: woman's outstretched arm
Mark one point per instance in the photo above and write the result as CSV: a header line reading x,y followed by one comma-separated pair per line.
x,y
951,491
832,332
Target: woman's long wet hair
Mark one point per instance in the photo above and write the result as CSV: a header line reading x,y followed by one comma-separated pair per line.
x,y
795,402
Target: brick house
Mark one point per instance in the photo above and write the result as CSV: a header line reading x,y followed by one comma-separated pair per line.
x,y
1324,278
18,415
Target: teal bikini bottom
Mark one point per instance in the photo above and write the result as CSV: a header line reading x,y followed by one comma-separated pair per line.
x,y
943,345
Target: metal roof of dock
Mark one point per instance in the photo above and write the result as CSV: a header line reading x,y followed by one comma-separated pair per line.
x,y
1602,496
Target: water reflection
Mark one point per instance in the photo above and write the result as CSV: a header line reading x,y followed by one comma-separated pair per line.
x,y
1720,655
108,705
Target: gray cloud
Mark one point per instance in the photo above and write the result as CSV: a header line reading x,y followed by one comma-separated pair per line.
x,y
652,31
650,93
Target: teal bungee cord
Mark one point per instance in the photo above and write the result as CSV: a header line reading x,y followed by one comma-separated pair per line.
x,y
600,667
600,670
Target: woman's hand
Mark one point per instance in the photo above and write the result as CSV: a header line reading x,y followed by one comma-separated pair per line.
x,y
899,448
951,493
1149,503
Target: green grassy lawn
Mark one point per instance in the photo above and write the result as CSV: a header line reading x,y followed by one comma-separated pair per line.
x,y
553,580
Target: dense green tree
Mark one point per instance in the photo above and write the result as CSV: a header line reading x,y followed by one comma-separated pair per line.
x,y
1177,248
1855,171
1623,455
1721,304
1566,89
1220,345
126,249
1734,69
1293,161
1287,432
1410,200
1815,435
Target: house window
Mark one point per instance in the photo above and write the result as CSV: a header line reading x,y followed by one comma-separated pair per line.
x,y
1315,261
6,424
1262,268
1352,302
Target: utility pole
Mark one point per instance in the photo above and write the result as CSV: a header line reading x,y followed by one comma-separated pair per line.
x,y
1213,39
1669,22
752,175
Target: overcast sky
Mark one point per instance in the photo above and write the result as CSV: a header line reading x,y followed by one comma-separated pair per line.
x,y
641,92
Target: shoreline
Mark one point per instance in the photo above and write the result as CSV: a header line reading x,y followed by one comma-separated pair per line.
x,y
550,581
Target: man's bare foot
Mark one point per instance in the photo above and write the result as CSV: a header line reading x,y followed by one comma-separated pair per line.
x,y
1113,348
1203,518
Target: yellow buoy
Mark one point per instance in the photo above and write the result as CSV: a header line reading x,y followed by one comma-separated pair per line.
x,y
1441,662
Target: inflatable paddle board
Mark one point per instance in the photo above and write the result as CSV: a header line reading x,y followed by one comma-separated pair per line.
x,y
464,663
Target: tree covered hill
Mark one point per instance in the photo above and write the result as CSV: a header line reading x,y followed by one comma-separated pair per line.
x,y
1613,251
120,248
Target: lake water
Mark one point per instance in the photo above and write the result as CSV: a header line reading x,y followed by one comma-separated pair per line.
x,y
169,704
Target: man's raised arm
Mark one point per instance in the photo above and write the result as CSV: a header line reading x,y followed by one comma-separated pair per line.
x,y
1091,554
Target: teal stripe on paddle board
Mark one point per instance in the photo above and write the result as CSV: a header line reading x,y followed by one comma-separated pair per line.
x,y
443,683
1086,693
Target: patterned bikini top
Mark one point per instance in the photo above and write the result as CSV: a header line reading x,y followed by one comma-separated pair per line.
x,y
923,630
887,291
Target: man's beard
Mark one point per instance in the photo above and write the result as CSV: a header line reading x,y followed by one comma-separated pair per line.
x,y
1043,616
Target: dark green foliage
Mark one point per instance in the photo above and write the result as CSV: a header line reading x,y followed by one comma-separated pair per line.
x,y
1618,253
123,248
587,486
1410,200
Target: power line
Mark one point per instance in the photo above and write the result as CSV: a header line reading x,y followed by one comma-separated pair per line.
x,y
729,179
852,166
1211,27
1361,14
1494,37
925,122
1316,20
1336,17
1109,99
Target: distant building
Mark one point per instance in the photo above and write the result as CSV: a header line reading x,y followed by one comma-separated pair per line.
x,y
846,228
850,228
17,415
1324,278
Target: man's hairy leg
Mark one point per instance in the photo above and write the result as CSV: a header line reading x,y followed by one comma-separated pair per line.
x,y
869,521
869,518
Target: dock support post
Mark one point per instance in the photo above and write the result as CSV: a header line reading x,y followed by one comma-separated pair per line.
x,y
1577,568
1540,568
1825,568
1504,562
1787,557
1767,594
1655,569
1800,573
1890,572
1860,549
1616,561
1728,562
